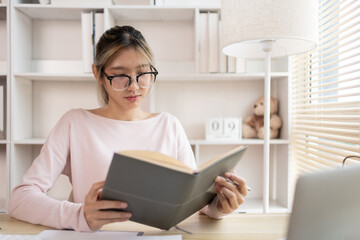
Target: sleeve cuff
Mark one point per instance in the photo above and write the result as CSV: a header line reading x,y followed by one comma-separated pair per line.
x,y
83,225
212,211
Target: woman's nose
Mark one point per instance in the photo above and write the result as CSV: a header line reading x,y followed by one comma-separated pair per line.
x,y
133,84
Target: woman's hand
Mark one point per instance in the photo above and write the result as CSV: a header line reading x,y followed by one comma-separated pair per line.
x,y
93,206
230,194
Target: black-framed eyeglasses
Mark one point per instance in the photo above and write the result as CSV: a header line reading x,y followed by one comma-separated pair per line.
x,y
122,81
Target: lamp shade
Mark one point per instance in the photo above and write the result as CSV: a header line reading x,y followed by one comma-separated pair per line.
x,y
291,24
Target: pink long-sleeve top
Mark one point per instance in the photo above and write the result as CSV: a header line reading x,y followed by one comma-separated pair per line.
x,y
81,146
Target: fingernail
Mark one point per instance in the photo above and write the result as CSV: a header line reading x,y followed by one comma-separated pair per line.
x,y
227,174
123,205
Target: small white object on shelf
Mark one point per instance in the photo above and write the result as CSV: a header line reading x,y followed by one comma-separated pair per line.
x,y
223,129
214,128
232,128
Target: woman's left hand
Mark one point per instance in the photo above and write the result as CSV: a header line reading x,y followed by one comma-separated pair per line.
x,y
230,194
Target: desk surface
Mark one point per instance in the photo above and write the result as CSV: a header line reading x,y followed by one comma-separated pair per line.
x,y
236,226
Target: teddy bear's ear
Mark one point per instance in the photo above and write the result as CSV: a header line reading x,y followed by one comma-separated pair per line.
x,y
274,103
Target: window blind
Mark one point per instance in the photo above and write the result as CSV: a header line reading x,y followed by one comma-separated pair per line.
x,y
325,91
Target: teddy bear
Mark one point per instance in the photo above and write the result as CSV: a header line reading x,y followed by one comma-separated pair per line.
x,y
253,126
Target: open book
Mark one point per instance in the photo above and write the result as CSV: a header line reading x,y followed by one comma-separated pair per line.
x,y
160,190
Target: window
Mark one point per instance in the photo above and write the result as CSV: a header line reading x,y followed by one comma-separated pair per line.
x,y
326,91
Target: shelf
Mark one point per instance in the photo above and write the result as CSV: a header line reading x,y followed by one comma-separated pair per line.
x,y
45,11
255,205
86,77
152,13
3,141
219,76
236,142
32,141
35,141
161,77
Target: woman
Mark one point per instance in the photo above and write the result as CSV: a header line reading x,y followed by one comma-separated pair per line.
x,y
82,143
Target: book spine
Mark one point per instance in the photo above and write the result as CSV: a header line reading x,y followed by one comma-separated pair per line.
x,y
2,112
231,64
204,43
213,42
87,41
99,26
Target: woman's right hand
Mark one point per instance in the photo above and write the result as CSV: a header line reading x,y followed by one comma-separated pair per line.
x,y
93,207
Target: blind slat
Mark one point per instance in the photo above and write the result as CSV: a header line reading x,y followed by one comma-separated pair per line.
x,y
329,97
307,87
334,111
330,143
329,90
323,149
327,105
348,140
331,131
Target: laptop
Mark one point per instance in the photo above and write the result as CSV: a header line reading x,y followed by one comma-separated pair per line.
x,y
326,206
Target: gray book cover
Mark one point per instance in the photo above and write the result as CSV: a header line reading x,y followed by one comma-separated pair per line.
x,y
162,197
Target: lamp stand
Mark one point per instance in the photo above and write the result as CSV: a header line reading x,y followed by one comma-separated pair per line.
x,y
267,48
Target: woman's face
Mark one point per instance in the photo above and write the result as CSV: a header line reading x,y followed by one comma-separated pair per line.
x,y
127,61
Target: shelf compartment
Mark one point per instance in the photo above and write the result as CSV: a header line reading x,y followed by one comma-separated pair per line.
x,y
47,50
42,11
77,77
43,103
192,102
176,25
251,168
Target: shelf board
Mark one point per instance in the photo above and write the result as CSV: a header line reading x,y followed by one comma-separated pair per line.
x,y
236,142
219,76
38,76
255,205
32,141
2,141
152,13
56,77
59,12
37,141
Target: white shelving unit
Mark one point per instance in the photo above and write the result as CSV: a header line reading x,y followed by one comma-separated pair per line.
x,y
4,82
47,80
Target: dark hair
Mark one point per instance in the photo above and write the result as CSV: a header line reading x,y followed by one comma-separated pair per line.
x,y
114,40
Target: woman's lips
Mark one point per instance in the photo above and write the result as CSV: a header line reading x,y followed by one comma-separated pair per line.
x,y
132,98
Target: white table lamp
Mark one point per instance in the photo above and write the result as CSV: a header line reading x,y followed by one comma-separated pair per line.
x,y
265,29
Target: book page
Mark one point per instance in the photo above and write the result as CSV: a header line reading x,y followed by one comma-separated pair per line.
x,y
158,159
